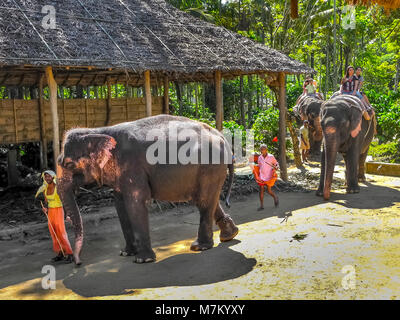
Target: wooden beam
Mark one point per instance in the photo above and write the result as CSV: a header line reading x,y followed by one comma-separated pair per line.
x,y
54,113
219,109
282,125
147,89
43,139
166,95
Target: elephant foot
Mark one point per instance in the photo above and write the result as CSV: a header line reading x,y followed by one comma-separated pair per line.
x,y
353,190
196,246
125,253
228,229
145,257
362,178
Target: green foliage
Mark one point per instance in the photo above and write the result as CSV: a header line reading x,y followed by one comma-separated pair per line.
x,y
388,152
266,128
387,108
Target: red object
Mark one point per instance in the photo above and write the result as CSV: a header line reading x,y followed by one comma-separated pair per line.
x,y
275,139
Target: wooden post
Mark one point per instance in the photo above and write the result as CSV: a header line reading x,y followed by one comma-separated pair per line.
x,y
219,110
43,139
166,95
15,121
282,125
147,89
108,104
54,112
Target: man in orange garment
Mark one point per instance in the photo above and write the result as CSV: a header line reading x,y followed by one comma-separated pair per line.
x,y
55,216
265,174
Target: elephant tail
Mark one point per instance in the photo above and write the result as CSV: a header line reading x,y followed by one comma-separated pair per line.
x,y
230,183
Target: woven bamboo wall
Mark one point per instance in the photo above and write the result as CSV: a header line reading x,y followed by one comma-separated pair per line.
x,y
19,119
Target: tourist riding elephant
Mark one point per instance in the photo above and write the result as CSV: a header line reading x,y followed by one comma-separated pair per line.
x,y
162,157
308,108
346,131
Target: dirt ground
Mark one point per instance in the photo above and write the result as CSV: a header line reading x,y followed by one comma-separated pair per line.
x,y
347,248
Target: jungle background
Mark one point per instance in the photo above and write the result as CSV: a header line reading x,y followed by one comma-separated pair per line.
x,y
327,35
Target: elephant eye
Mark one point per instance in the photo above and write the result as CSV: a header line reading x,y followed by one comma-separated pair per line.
x,y
70,165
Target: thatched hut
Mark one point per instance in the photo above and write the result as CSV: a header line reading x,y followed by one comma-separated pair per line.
x,y
61,43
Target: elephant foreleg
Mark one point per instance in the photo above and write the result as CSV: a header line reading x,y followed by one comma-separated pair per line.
x,y
320,191
130,249
138,218
225,224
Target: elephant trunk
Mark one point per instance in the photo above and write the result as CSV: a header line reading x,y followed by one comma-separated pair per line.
x,y
331,149
66,193
318,129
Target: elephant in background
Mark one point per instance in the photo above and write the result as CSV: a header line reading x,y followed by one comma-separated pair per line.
x,y
346,131
117,156
308,108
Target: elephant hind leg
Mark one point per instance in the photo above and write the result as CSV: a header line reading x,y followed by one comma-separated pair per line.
x,y
361,167
204,239
225,223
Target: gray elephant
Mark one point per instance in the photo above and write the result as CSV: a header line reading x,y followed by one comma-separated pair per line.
x,y
346,131
308,108
119,157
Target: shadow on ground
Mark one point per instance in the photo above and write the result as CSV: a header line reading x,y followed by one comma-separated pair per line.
x,y
189,269
371,196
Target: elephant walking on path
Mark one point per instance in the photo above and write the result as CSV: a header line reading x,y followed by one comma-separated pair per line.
x,y
162,157
344,130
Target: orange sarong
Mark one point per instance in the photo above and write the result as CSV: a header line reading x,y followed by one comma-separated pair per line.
x,y
269,183
56,219
256,172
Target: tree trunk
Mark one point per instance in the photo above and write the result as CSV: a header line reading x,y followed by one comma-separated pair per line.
x,y
397,78
178,90
242,115
295,142
250,101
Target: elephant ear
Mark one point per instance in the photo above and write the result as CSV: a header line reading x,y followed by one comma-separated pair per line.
x,y
99,147
355,121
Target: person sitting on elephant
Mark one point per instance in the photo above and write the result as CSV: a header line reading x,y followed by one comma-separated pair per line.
x,y
348,86
265,174
304,141
309,88
364,98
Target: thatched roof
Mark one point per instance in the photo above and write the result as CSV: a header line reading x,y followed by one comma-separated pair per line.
x,y
94,39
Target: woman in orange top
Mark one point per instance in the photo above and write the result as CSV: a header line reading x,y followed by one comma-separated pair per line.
x,y
55,215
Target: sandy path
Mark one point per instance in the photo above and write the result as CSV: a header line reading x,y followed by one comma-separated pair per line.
x,y
360,233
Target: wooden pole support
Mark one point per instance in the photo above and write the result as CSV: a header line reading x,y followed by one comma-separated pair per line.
x,y
282,125
147,89
43,139
54,112
166,95
219,110
108,104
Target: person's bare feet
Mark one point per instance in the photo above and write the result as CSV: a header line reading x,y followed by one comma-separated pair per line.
x,y
260,209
